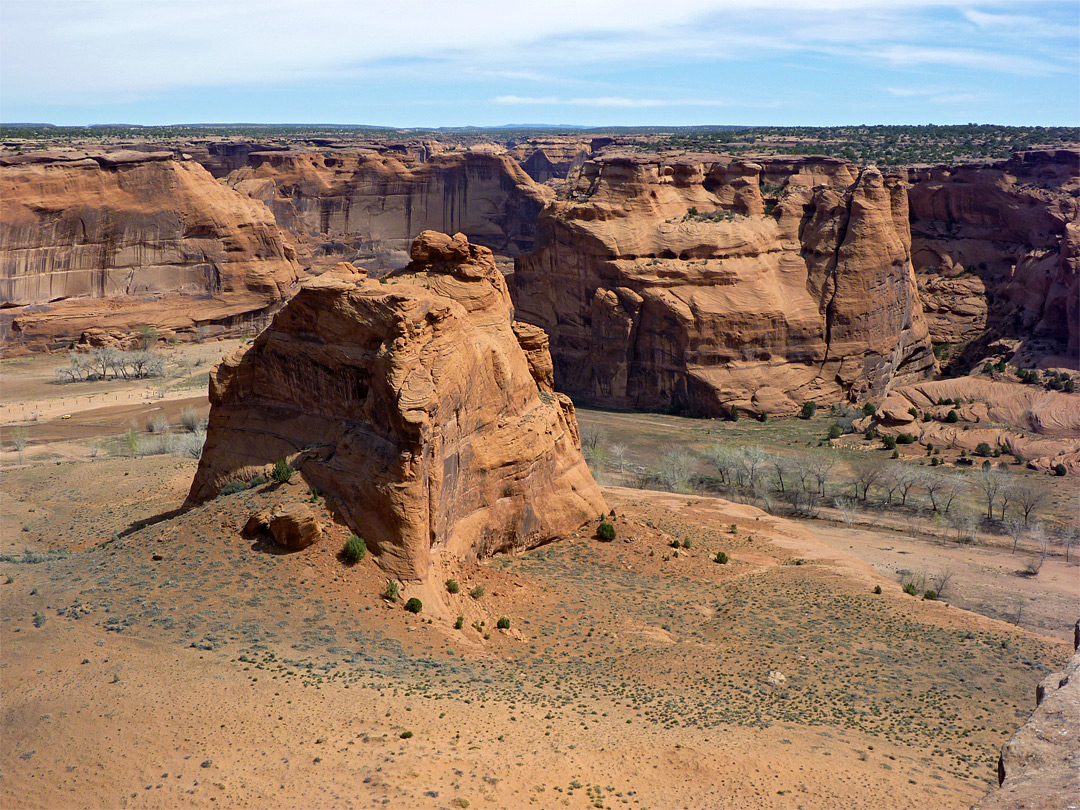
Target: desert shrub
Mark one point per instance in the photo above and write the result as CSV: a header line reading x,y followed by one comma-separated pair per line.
x,y
686,543
39,619
905,438
869,409
674,544
406,735
477,592
930,595
763,417
983,449
909,588
257,481
459,622
895,454
503,623
952,417
283,471
452,586
191,420
721,558
914,412
835,431
1059,470
233,487
189,445
414,605
808,410
877,589
157,424
606,532
870,434
391,590
889,442
354,550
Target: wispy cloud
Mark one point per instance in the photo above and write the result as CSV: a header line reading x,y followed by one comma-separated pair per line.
x,y
611,101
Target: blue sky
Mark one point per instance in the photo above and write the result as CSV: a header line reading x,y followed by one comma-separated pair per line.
x,y
601,62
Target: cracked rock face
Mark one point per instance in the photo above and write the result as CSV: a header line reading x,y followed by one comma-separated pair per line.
x,y
706,283
105,243
416,406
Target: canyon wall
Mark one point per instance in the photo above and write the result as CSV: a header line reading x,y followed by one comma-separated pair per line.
x,y
416,405
368,206
702,283
996,250
106,243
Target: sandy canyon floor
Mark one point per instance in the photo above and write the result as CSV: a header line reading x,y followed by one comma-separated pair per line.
x,y
156,659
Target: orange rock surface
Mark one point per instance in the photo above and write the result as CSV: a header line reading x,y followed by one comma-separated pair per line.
x,y
702,283
110,242
414,406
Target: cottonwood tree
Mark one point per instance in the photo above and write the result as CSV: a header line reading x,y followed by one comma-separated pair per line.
x,y
591,437
675,467
866,473
1069,536
848,510
19,435
905,479
724,460
618,455
1028,497
1016,527
990,483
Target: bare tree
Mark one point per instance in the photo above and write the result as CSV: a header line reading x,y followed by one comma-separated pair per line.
x,y
751,467
906,479
618,455
19,436
990,483
781,466
848,511
866,473
820,469
1069,535
724,459
591,437
933,484
1015,526
1028,497
675,467
940,581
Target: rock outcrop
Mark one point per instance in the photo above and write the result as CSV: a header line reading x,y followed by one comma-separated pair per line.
x,y
368,206
292,525
414,405
1040,426
705,283
1039,766
111,242
996,249
554,157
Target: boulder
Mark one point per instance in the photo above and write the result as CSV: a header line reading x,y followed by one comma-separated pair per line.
x,y
414,406
294,526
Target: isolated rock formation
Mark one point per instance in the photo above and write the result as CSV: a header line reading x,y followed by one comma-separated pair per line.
x,y
294,526
1039,766
553,157
111,242
702,283
996,249
369,206
414,405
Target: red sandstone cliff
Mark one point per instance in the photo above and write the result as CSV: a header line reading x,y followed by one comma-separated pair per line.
x,y
369,206
110,242
996,249
417,406
702,283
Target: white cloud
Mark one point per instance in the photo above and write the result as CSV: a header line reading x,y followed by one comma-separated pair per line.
x,y
610,101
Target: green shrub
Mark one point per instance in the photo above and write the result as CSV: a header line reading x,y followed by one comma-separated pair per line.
x,y
1059,470
905,438
477,592
452,586
895,454
952,417
808,410
606,532
674,544
406,735
877,589
763,417
414,605
889,442
39,618
233,487
930,595
354,550
835,431
459,622
914,412
721,558
392,590
503,623
869,409
983,449
257,481
870,434
910,589
283,471
686,542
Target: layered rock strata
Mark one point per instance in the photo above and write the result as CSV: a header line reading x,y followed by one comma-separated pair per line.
x,y
111,242
417,406
704,284
368,206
